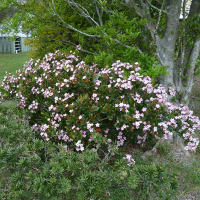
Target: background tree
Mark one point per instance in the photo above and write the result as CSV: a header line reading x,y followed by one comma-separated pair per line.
x,y
177,42
105,31
5,13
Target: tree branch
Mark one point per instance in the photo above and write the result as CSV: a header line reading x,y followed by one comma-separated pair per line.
x,y
81,49
70,26
83,11
144,13
138,10
184,35
173,9
99,15
194,10
193,61
124,45
156,8
86,34
159,18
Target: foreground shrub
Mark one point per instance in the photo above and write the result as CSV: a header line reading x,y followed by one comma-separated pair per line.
x,y
34,169
70,102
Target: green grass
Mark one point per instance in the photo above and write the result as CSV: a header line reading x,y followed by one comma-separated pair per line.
x,y
12,62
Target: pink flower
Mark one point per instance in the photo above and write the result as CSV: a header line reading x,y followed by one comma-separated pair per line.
x,y
130,159
154,150
144,109
79,146
78,47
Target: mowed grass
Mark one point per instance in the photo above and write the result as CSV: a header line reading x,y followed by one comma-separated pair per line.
x,y
12,62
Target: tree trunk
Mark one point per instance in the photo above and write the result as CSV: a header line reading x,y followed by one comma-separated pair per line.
x,y
181,68
180,58
190,72
165,56
166,45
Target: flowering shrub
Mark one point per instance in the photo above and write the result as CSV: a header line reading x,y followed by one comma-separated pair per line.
x,y
70,102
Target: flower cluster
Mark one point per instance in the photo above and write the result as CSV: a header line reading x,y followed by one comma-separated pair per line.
x,y
130,159
69,102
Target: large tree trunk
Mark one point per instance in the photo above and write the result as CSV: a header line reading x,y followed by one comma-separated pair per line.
x,y
186,68
190,72
179,58
166,45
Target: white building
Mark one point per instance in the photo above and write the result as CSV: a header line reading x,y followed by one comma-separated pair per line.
x,y
10,45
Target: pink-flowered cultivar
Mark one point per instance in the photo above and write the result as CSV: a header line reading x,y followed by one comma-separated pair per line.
x,y
130,159
70,102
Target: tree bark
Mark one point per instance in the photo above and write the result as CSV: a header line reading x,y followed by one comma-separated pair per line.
x,y
179,58
166,45
191,70
191,54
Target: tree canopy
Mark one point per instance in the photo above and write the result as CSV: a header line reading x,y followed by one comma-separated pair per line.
x,y
106,32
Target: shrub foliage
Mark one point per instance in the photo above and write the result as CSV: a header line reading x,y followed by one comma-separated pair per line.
x,y
34,169
70,102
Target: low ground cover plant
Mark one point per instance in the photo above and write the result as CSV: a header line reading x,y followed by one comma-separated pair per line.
x,y
31,168
70,102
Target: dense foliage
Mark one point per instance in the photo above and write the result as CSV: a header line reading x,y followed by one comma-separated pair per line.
x,y
33,169
110,32
72,103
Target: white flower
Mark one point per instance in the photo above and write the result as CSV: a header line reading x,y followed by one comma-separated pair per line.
x,y
97,124
155,129
130,159
79,146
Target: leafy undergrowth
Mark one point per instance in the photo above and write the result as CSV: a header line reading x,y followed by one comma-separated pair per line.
x,y
35,169
187,173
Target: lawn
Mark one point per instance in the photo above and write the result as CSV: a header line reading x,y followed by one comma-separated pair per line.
x,y
12,62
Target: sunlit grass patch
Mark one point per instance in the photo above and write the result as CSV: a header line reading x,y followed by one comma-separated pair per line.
x,y
12,62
